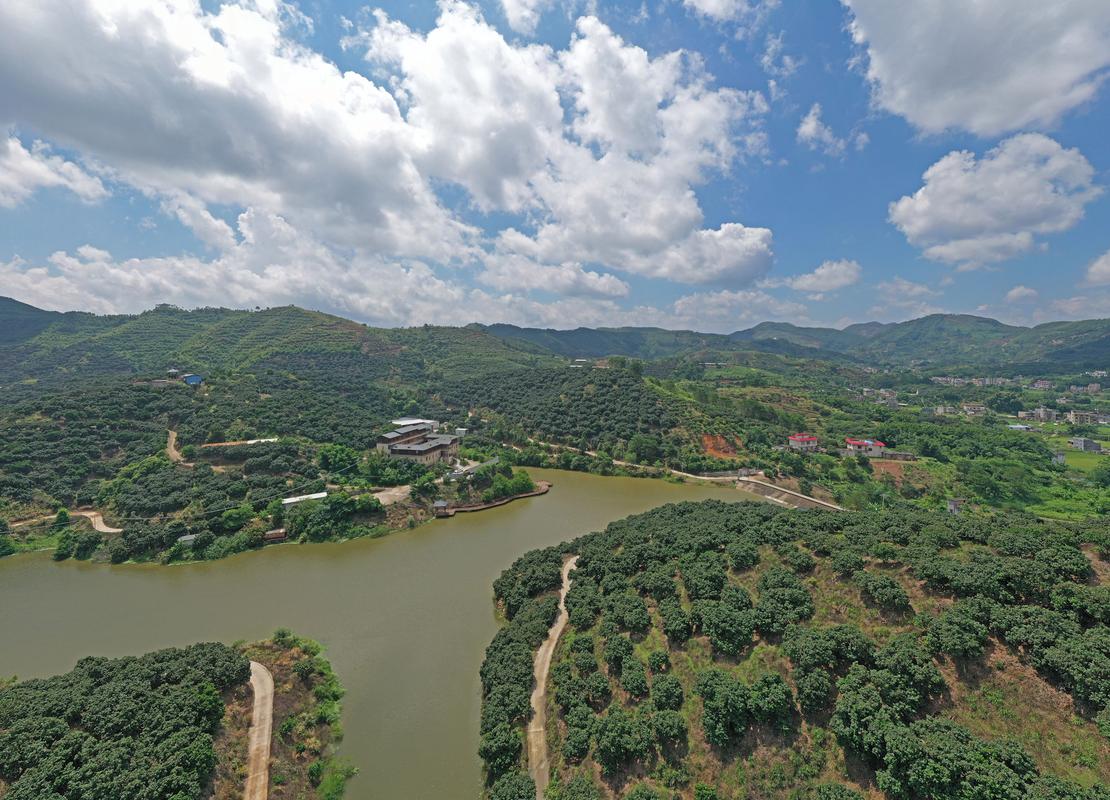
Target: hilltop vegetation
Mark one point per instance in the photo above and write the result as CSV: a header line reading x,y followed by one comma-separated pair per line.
x,y
50,347
172,725
941,340
304,764
132,727
731,651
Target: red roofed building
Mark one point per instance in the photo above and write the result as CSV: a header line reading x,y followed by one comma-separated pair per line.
x,y
865,447
803,442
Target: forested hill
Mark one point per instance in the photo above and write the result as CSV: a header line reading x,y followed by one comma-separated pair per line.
x,y
49,346
939,339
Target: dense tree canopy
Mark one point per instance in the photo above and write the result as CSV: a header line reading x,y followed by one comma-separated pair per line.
x,y
736,580
131,727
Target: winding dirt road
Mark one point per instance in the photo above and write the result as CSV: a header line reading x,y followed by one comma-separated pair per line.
x,y
262,721
539,765
172,453
97,520
94,517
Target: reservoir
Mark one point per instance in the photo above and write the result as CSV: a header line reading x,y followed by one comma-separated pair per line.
x,y
405,619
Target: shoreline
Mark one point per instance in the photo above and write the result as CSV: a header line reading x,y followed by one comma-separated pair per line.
x,y
390,531
542,487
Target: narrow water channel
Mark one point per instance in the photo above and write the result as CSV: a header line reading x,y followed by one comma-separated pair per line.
x,y
405,619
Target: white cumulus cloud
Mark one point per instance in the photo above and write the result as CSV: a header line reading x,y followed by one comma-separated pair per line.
x,y
828,277
728,310
1021,294
900,298
972,212
524,15
596,150
989,66
816,135
775,61
1098,272
23,172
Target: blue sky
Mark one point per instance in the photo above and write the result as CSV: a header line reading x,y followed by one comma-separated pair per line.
x,y
687,163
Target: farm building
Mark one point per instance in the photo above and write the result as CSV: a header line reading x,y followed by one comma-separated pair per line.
x,y
802,442
418,442
864,447
1087,445
405,433
288,501
427,449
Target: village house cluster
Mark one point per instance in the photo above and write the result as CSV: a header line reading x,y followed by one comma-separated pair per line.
x,y
1040,383
950,380
871,448
1074,417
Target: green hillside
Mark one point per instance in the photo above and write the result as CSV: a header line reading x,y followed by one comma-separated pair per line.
x,y
722,651
81,409
50,347
647,343
940,340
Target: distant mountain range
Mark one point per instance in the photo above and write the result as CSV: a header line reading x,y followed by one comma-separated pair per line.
x,y
937,340
38,344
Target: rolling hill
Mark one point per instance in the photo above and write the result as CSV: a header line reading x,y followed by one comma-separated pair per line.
x,y
50,346
938,340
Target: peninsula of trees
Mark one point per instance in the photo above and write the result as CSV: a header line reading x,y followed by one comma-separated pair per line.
x,y
171,725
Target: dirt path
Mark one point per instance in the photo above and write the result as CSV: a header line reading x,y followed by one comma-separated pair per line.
x,y
262,719
172,453
97,520
239,442
539,766
394,494
94,517
175,455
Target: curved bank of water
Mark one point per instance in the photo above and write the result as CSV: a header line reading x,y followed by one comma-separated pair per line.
x,y
405,619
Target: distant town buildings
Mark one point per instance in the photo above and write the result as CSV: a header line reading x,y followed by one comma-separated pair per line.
x,y
802,442
974,409
1082,417
949,380
1042,384
1040,414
